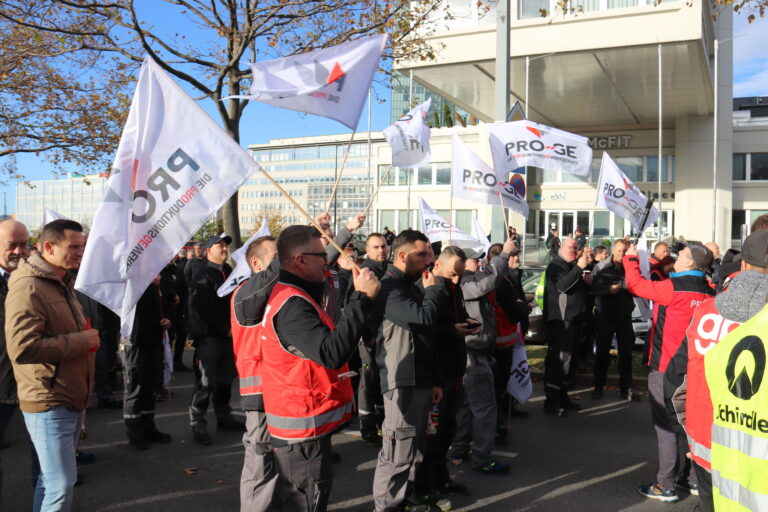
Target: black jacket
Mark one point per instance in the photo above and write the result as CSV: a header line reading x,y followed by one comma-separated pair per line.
x,y
564,293
209,313
172,285
302,332
616,307
191,268
553,245
450,346
511,297
7,381
147,332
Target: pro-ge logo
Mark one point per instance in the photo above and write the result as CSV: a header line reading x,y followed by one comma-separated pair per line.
x,y
746,367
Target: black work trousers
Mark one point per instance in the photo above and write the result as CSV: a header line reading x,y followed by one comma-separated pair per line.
x,y
306,475
142,367
370,403
562,338
433,470
214,373
607,326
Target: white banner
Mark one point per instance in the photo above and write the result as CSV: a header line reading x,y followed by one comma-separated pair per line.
x,y
242,270
618,194
438,229
473,180
173,169
525,143
332,82
50,215
477,234
409,138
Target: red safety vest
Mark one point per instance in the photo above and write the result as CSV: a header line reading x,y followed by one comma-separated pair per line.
x,y
707,328
246,342
507,333
302,399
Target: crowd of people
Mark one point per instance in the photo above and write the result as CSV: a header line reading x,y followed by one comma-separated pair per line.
x,y
415,337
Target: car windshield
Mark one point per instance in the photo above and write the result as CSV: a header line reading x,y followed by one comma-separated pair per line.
x,y
530,279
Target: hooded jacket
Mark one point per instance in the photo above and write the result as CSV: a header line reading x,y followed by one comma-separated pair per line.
x,y
44,331
476,286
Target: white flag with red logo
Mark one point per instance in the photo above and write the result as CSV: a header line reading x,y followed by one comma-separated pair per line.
x,y
173,169
409,137
477,234
51,215
615,192
331,82
438,229
525,143
473,180
242,270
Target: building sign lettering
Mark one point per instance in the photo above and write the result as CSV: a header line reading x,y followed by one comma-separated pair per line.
x,y
610,142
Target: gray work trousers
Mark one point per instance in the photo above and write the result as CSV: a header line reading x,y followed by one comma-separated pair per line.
x,y
259,477
306,475
476,418
403,436
214,373
669,463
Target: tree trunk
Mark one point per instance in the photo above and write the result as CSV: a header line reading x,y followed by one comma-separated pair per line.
x,y
229,212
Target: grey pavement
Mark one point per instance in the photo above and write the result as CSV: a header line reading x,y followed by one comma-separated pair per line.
x,y
588,461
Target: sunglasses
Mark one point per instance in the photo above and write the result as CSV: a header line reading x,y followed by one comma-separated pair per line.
x,y
321,254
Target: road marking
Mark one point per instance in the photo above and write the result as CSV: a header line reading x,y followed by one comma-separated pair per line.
x,y
508,455
132,505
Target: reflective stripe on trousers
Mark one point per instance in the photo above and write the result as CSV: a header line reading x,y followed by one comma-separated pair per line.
x,y
308,422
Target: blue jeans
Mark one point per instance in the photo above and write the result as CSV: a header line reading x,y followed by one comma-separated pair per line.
x,y
54,434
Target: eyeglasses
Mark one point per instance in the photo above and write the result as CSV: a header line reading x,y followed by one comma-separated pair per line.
x,y
321,254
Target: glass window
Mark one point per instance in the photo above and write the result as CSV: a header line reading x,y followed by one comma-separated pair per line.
x,y
403,175
387,219
572,178
446,214
443,174
615,4
548,176
738,219
601,224
739,167
759,166
618,226
632,167
653,169
528,9
530,227
403,222
390,180
582,221
754,214
464,220
596,170
425,175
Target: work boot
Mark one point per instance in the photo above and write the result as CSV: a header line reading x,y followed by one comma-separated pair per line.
x,y
201,436
138,441
155,436
230,425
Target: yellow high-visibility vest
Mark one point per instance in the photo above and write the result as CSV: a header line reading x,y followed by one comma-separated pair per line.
x,y
738,384
539,294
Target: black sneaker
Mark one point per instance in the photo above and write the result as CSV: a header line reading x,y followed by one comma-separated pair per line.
x,y
451,488
597,393
553,408
492,468
155,436
569,405
138,441
657,492
373,438
84,458
201,436
460,459
683,485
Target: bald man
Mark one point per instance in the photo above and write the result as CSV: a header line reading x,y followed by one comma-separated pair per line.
x,y
14,245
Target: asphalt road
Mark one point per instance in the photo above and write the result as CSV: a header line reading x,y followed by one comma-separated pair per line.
x,y
590,461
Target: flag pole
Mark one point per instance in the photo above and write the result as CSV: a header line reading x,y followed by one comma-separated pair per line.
x,y
640,232
341,171
304,213
450,215
504,214
373,196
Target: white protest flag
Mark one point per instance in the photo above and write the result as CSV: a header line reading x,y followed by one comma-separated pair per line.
x,y
438,229
618,194
173,169
473,180
331,82
51,215
409,137
477,234
525,143
242,270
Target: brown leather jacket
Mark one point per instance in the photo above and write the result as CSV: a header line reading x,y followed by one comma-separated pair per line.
x,y
43,327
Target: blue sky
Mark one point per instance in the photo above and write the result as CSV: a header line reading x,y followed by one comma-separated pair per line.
x,y
263,122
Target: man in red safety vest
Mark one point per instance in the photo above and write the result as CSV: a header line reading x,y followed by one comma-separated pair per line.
x,y
306,387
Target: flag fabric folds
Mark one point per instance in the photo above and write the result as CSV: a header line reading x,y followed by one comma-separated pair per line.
x,y
618,194
331,82
173,169
477,234
242,270
51,215
525,143
438,229
473,180
409,137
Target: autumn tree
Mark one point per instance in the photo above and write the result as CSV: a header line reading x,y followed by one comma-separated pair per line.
x,y
275,220
93,47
